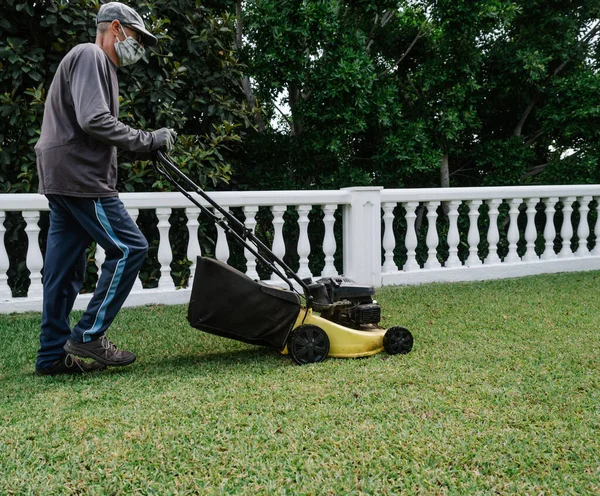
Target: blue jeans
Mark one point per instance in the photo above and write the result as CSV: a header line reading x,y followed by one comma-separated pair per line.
x,y
74,222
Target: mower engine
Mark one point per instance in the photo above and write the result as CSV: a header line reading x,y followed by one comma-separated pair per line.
x,y
343,301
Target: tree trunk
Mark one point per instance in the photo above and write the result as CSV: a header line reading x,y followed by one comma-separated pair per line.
x,y
294,96
444,172
246,86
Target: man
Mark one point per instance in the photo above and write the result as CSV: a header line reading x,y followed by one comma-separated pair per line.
x,y
77,167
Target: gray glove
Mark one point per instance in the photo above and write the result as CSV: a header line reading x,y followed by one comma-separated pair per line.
x,y
164,138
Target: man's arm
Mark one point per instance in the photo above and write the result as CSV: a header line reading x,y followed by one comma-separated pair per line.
x,y
90,91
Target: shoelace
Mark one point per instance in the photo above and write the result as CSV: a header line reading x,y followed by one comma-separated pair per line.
x,y
71,361
107,345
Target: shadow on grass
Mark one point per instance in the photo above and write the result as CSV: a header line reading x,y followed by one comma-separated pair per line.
x,y
213,362
188,364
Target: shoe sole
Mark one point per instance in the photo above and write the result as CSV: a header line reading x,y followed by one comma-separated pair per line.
x,y
83,353
41,373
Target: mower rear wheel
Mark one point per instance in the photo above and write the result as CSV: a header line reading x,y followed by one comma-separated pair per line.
x,y
308,344
397,340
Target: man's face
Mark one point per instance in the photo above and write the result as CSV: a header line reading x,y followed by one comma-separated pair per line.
x,y
134,34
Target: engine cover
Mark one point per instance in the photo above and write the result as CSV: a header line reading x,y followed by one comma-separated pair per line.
x,y
368,313
344,288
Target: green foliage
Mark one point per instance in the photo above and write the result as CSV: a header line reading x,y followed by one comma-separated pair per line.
x,y
190,83
376,91
381,90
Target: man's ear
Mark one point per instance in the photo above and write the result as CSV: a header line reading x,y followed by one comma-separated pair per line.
x,y
115,27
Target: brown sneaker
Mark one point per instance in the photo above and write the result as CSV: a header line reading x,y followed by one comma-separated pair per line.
x,y
101,350
70,365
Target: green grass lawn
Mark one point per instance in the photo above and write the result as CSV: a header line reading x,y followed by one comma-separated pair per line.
x,y
500,395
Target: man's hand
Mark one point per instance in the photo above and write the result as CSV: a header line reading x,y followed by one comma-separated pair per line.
x,y
164,138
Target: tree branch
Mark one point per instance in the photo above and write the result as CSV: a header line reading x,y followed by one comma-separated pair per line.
x,y
285,117
385,18
594,30
410,47
530,140
534,171
519,129
239,25
246,86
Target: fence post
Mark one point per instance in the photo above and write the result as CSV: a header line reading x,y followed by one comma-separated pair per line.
x,y
362,235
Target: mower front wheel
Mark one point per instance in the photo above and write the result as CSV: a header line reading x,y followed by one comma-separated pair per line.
x,y
308,344
397,340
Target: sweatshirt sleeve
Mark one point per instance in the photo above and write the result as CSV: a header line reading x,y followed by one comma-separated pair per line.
x,y
90,90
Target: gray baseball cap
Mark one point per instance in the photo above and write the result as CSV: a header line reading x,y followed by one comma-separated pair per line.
x,y
127,16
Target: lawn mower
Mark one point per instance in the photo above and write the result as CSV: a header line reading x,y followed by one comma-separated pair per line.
x,y
331,316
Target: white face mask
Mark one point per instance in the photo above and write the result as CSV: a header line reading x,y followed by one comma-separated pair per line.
x,y
128,51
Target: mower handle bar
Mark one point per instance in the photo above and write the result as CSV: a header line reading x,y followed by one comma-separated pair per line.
x,y
165,167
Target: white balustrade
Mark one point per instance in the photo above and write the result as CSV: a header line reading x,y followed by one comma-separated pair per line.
x,y
549,229
530,230
303,241
566,231
100,257
493,235
389,240
222,246
453,234
193,249
165,253
329,245
134,214
278,247
432,238
5,291
364,212
473,236
411,241
250,224
513,231
583,230
34,260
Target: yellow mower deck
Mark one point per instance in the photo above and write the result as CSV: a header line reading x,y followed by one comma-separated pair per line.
x,y
343,341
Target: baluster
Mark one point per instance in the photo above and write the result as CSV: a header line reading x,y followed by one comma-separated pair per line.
x,y
165,254
100,256
531,231
513,231
473,236
222,247
566,231
5,291
137,285
193,248
34,259
493,235
411,241
596,250
303,242
389,241
250,223
432,238
329,245
583,230
549,229
453,235
278,247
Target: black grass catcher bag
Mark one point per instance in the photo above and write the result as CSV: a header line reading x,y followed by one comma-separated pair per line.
x,y
228,303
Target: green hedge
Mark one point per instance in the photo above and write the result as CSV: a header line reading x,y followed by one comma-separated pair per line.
x,y
191,83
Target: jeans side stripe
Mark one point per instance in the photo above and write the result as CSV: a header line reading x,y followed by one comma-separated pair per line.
x,y
116,278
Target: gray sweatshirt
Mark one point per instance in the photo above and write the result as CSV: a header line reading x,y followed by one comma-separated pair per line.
x,y
76,152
